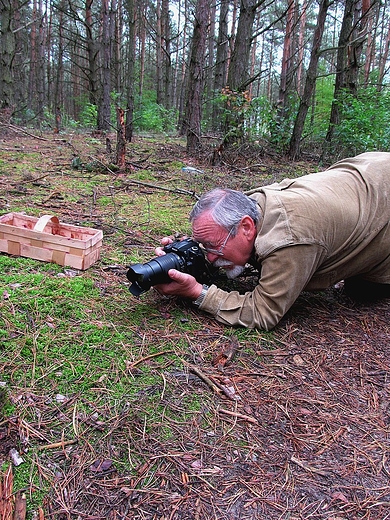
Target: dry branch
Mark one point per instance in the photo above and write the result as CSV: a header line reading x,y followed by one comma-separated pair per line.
x,y
17,129
60,444
239,415
216,387
146,358
6,497
212,384
20,506
164,188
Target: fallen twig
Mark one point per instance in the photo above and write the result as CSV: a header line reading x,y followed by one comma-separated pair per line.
x,y
59,444
19,129
239,415
35,179
146,358
274,352
6,496
20,506
56,194
164,188
216,387
195,370
311,469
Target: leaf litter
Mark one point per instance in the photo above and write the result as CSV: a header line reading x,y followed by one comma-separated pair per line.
x,y
289,425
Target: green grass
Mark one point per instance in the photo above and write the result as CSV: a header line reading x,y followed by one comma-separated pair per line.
x,y
60,334
80,357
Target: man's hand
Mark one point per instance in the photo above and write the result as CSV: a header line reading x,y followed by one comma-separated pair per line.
x,y
182,284
165,241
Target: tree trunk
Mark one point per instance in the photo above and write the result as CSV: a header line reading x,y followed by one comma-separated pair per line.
x,y
238,67
301,47
7,55
371,37
130,5
163,58
120,140
238,73
19,75
355,48
383,59
41,80
182,126
340,84
32,78
36,87
221,60
142,51
116,25
59,78
92,53
159,54
104,109
166,57
294,149
196,76
209,82
287,59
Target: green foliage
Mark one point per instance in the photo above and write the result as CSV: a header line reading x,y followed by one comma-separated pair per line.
x,y
262,117
235,110
317,121
364,124
89,111
4,404
282,124
152,117
88,115
244,117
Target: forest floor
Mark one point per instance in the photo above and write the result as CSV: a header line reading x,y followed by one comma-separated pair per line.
x,y
292,424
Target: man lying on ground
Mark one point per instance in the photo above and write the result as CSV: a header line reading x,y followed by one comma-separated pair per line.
x,y
301,234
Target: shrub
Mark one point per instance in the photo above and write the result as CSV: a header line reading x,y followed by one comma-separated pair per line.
x,y
88,115
149,116
364,121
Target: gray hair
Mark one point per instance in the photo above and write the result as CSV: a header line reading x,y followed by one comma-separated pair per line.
x,y
227,207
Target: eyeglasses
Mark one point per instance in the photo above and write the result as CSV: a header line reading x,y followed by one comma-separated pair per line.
x,y
219,252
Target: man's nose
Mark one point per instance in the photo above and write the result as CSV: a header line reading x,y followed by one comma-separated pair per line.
x,y
211,257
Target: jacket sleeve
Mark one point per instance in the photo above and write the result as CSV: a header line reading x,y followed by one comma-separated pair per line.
x,y
284,274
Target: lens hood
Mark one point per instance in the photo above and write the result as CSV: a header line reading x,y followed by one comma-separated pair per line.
x,y
154,272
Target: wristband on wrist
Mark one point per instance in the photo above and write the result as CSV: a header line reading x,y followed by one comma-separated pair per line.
x,y
201,297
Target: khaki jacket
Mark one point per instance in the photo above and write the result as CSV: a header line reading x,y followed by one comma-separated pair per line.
x,y
316,230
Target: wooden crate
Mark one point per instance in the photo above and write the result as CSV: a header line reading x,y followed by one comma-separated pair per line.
x,y
49,240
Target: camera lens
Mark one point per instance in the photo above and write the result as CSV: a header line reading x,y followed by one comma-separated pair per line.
x,y
144,276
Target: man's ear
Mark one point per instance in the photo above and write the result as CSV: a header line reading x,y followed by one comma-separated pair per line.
x,y
248,227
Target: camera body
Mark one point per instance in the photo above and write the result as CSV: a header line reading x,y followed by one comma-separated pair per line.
x,y
185,256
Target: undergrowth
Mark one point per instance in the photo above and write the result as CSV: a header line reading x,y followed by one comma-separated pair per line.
x,y
83,362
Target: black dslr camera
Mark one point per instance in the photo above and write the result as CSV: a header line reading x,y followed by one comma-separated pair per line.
x,y
185,256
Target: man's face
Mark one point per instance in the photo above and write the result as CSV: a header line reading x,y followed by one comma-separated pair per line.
x,y
221,247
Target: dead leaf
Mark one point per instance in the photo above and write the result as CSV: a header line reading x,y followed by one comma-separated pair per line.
x,y
197,464
298,360
338,495
226,353
101,465
304,411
